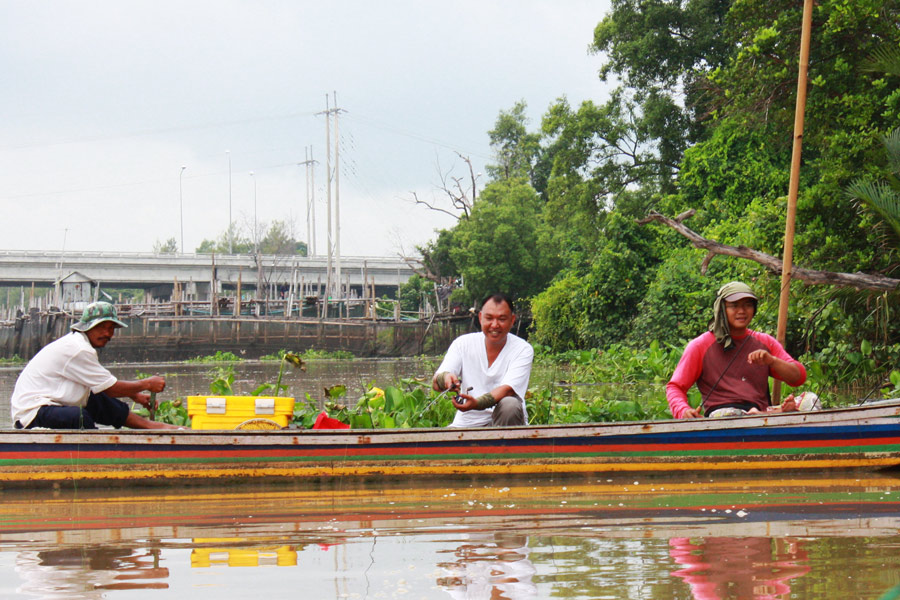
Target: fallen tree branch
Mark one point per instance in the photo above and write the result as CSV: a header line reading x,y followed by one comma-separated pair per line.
x,y
861,281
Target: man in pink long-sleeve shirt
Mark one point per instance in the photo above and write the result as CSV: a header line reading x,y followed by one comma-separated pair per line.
x,y
731,364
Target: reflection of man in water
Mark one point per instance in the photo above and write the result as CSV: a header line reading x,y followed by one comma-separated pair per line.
x,y
491,565
88,572
745,568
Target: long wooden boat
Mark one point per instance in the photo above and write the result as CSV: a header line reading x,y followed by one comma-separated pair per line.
x,y
863,438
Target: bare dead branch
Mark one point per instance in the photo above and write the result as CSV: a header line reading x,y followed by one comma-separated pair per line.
x,y
861,281
432,207
455,189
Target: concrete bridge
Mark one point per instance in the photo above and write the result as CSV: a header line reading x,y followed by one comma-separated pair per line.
x,y
197,275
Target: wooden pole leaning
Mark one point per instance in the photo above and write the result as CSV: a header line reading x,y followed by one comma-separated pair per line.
x,y
794,185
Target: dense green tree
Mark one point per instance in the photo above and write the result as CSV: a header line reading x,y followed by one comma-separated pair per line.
x,y
593,306
662,51
437,260
503,245
703,120
737,177
515,149
415,292
279,240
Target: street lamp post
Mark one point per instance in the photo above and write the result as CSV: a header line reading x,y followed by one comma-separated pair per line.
x,y
230,234
181,205
255,229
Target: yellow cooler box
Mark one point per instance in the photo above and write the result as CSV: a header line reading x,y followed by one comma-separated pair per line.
x,y
280,556
240,412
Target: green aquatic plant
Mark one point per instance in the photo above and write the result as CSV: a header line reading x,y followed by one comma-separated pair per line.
x,y
893,390
218,357
305,412
286,358
173,412
311,354
222,381
411,403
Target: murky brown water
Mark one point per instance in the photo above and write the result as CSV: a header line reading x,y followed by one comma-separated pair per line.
x,y
733,538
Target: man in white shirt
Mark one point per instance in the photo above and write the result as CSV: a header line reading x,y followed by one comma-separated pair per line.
x,y
65,387
490,369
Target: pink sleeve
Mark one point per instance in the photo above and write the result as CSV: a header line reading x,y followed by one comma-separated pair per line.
x,y
778,351
686,374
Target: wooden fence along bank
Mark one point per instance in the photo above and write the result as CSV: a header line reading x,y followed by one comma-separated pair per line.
x,y
175,331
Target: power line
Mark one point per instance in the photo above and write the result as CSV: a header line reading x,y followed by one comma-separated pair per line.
x,y
149,132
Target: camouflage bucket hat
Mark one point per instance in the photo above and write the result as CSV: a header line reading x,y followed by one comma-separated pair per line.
x,y
96,313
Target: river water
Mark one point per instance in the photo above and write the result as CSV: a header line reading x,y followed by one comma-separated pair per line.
x,y
586,538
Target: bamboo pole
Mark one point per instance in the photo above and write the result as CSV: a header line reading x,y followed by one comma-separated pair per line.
x,y
794,185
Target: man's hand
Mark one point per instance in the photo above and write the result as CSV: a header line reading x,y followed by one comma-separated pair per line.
x,y
445,380
465,402
142,399
760,357
154,384
692,413
789,404
788,372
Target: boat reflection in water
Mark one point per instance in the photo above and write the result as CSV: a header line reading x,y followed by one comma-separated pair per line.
x,y
729,537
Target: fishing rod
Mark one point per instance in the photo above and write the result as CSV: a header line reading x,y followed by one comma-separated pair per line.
x,y
454,388
881,382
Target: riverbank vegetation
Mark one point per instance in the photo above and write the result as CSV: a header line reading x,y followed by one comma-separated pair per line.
x,y
701,120
311,354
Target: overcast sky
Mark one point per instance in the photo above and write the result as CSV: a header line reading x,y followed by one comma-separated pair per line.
x,y
103,102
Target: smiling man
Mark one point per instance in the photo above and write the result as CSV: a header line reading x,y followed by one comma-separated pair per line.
x,y
65,387
490,369
731,364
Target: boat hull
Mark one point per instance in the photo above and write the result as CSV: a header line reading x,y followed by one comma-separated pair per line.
x,y
860,438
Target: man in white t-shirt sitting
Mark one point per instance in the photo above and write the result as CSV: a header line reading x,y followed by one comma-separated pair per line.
x,y
490,369
65,387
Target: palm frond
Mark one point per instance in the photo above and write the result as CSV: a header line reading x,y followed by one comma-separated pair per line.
x,y
885,59
880,197
892,146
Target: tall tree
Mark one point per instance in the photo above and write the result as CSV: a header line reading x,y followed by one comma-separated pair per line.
x,y
515,150
503,244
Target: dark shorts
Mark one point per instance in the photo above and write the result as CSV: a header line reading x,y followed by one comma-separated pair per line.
x,y
100,408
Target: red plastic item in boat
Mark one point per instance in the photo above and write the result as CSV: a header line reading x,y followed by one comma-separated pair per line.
x,y
323,421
